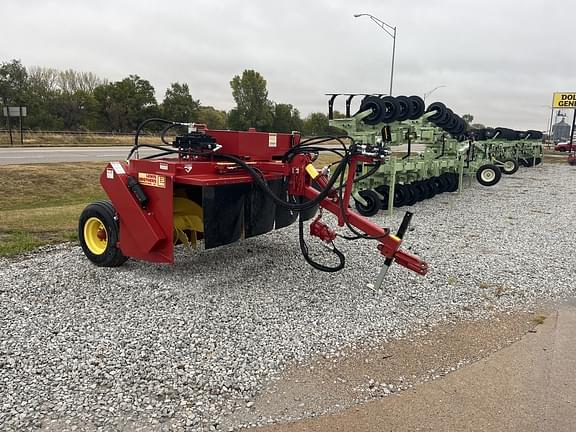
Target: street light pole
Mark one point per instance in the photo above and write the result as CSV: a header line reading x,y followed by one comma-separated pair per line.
x,y
428,93
392,33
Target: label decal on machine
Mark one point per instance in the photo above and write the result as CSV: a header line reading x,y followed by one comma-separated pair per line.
x,y
164,166
272,140
109,173
118,169
153,180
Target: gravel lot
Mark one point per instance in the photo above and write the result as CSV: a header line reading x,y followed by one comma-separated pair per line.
x,y
149,347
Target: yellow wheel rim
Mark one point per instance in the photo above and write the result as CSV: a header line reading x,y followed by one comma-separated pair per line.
x,y
95,236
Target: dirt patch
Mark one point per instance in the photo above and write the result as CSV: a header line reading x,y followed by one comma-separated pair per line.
x,y
327,385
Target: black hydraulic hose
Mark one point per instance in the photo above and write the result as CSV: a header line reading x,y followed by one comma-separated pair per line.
x,y
164,149
165,130
294,207
316,265
144,123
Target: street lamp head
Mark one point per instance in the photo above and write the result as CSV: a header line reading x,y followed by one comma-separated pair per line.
x,y
358,15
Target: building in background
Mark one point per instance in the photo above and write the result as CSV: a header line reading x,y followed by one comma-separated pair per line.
x,y
561,131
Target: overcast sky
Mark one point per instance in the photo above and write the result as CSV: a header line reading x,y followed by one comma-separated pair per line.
x,y
498,60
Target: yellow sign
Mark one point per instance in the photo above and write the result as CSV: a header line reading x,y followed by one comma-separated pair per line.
x,y
153,180
564,100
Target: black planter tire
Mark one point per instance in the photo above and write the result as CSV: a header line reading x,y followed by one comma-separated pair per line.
x,y
384,191
99,234
431,189
509,166
400,195
488,175
373,203
413,195
373,103
440,111
391,109
417,107
404,108
538,161
534,135
453,180
445,121
422,191
438,185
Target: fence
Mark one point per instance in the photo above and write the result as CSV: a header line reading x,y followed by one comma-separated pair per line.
x,y
31,138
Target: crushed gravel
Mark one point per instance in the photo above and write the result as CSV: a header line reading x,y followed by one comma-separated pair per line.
x,y
153,347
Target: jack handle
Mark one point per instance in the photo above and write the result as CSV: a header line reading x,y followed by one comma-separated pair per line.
x,y
392,253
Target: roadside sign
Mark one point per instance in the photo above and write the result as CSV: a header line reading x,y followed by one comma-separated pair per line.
x,y
564,100
14,111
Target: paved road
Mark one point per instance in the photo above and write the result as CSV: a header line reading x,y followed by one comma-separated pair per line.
x,y
528,386
30,155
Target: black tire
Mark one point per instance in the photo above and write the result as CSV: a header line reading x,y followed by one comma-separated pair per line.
x,y
459,128
99,234
524,162
404,108
446,120
373,203
538,161
477,134
453,124
488,175
453,180
422,192
430,189
413,195
384,191
534,135
373,103
507,134
440,111
400,195
489,133
438,185
417,107
391,109
509,166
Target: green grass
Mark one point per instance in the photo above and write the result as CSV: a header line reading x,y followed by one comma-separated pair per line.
x,y
40,204
17,242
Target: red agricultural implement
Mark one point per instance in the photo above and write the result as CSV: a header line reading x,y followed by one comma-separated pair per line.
x,y
219,186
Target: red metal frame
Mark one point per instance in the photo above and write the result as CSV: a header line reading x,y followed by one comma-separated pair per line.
x,y
147,233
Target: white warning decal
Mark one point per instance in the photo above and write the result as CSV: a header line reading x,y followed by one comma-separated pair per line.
x,y
118,168
272,140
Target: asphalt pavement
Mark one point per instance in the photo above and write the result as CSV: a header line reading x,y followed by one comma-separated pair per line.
x,y
33,155
528,386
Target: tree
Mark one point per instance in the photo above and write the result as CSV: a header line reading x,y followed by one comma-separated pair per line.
x,y
316,124
13,78
178,104
124,104
253,109
286,119
468,118
71,81
213,118
76,110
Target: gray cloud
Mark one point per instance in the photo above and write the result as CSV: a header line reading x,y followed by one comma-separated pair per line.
x,y
499,60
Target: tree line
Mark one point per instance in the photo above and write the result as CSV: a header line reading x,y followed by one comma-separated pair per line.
x,y
81,101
